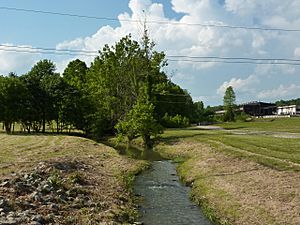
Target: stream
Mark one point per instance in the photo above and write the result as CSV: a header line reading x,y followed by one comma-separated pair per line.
x,y
164,200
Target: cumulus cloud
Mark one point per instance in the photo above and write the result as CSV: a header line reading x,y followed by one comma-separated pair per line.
x,y
238,84
185,39
13,61
297,52
283,91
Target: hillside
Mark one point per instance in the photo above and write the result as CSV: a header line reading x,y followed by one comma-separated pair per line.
x,y
64,180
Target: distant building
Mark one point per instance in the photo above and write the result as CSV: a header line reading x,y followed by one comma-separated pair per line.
x,y
288,110
259,108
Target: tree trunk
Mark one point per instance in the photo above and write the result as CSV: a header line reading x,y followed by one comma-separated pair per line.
x,y
7,127
147,141
57,125
44,122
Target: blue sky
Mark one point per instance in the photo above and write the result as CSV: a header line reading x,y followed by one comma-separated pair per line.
x,y
205,81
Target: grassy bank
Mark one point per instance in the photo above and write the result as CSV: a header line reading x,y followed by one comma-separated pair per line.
x,y
291,125
239,177
100,176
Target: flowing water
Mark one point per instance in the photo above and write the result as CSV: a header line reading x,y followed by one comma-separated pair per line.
x,y
164,200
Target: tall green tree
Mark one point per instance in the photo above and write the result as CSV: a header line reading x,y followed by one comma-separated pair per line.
x,y
77,101
37,82
120,76
13,97
229,104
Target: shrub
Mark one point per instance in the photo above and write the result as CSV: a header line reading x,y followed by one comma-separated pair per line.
x,y
177,121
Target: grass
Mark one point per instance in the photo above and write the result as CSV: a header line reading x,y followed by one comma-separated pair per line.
x,y
278,153
241,175
109,173
291,125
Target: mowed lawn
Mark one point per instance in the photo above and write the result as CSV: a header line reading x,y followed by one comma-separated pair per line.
x,y
291,125
247,174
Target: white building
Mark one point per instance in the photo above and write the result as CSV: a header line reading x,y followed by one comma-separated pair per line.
x,y
288,110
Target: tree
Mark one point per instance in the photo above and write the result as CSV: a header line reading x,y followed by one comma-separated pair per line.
x,y
140,122
120,76
77,105
75,74
13,96
229,104
37,82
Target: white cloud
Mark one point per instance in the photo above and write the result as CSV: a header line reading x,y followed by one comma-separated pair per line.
x,y
238,84
280,92
297,52
207,41
13,61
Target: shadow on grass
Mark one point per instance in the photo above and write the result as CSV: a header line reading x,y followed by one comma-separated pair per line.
x,y
234,128
19,133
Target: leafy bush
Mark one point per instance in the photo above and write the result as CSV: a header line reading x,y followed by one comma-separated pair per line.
x,y
243,117
177,121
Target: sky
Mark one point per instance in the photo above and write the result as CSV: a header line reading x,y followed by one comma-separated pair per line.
x,y
206,81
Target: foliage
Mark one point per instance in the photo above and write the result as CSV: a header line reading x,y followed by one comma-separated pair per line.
x,y
242,116
288,102
13,98
229,104
39,82
139,122
77,103
123,79
176,121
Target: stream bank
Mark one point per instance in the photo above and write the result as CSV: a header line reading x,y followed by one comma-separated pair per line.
x,y
162,198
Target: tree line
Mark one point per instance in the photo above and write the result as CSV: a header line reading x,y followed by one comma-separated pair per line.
x,y
125,90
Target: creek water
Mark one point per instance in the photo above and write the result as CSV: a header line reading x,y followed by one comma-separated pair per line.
x,y
164,200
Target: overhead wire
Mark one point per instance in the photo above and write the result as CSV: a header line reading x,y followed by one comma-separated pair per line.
x,y
149,21
171,58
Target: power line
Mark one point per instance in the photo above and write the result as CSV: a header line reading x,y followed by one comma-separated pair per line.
x,y
150,21
233,58
204,59
235,62
44,52
171,60
49,49
162,94
172,102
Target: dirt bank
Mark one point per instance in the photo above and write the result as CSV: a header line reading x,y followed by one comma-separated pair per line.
x,y
64,180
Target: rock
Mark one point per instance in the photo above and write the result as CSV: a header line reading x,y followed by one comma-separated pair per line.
x,y
4,205
35,196
5,184
53,207
35,223
38,218
8,222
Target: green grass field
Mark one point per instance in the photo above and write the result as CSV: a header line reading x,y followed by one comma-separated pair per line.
x,y
247,173
291,125
274,143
